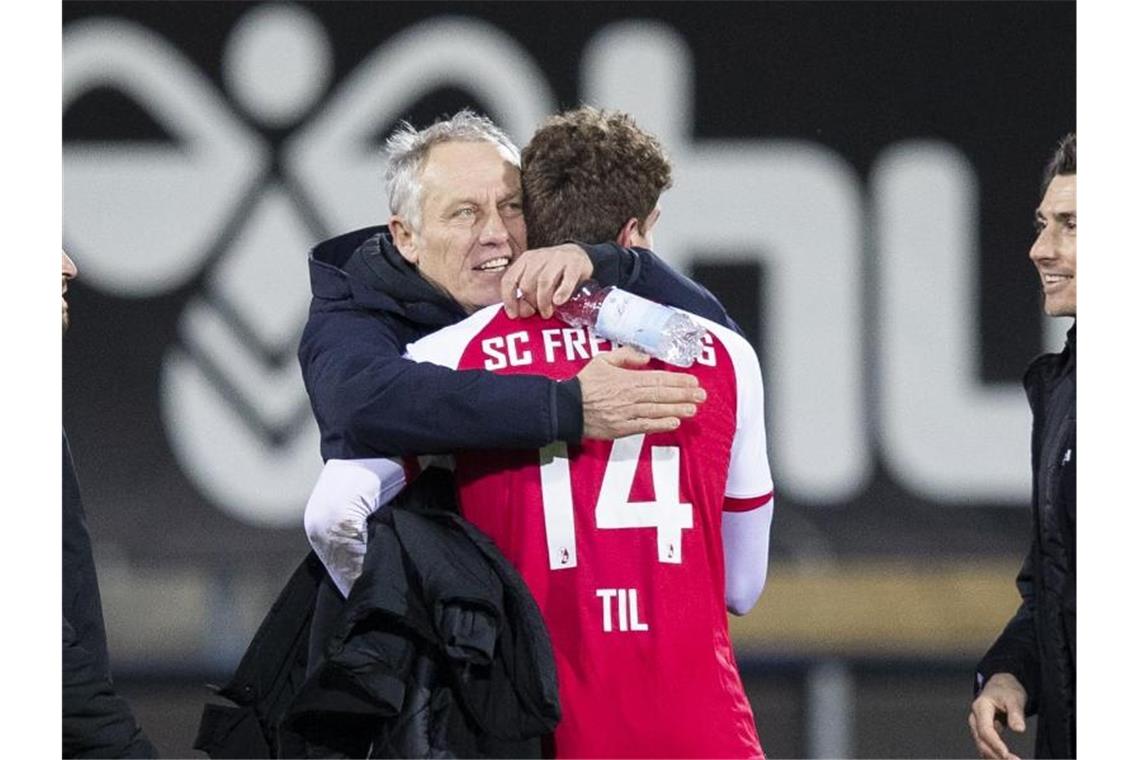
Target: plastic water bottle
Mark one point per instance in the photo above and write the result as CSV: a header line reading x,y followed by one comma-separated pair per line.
x,y
621,317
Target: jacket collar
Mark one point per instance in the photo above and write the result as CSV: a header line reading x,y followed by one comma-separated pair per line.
x,y
364,268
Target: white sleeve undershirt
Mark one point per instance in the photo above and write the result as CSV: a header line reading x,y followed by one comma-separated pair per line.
x,y
745,537
347,492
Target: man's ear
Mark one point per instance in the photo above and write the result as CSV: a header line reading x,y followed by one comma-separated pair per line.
x,y
630,234
404,239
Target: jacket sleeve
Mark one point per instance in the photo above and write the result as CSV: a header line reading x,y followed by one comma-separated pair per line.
x,y
96,721
1015,651
641,271
369,401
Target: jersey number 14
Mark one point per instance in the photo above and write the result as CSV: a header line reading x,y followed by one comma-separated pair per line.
x,y
667,513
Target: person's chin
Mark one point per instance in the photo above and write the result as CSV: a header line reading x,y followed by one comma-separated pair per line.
x,y
488,293
1060,307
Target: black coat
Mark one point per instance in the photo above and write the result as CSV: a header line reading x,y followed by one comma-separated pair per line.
x,y
440,651
96,721
1039,645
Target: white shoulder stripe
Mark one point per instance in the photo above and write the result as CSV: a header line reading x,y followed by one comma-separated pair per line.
x,y
749,474
446,346
745,364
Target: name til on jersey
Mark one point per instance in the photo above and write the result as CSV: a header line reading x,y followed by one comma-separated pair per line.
x,y
568,343
629,617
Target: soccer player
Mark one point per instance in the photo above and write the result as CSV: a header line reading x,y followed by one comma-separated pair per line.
x,y
632,548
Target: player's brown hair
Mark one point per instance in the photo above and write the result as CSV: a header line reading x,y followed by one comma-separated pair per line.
x,y
1063,162
586,173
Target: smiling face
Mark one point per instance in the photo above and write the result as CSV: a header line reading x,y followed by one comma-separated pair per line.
x,y
69,272
1054,252
471,225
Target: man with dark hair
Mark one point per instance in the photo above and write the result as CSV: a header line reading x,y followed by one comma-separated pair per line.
x,y
96,721
562,198
633,549
565,199
1063,163
1032,667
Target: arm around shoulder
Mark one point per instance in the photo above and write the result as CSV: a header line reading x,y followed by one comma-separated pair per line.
x,y
370,401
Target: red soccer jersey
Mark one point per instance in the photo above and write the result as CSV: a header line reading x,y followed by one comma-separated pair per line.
x,y
620,543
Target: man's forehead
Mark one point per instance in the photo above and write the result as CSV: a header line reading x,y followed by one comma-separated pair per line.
x,y
472,162
1060,195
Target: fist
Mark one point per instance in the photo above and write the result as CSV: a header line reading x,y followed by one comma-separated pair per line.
x,y
543,278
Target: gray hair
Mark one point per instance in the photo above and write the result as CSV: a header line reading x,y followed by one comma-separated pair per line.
x,y
408,148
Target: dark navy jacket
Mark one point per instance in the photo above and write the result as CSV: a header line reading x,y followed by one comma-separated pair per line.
x,y
369,303
1039,645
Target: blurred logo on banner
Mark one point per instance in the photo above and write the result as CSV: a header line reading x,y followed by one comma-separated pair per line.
x,y
148,219
278,155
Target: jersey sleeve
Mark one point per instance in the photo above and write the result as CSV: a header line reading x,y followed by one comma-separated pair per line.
x,y
749,482
445,347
